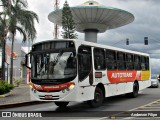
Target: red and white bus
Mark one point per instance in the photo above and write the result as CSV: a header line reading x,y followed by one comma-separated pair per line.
x,y
73,70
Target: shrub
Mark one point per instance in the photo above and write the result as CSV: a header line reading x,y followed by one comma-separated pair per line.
x,y
5,87
17,82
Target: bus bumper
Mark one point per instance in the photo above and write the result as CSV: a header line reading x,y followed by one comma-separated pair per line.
x,y
63,95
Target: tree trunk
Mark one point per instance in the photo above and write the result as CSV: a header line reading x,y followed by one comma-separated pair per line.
x,y
11,69
3,58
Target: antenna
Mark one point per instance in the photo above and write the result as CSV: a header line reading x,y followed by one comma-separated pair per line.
x,y
56,27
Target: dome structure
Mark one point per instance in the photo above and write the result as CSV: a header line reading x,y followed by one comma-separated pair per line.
x,y
92,17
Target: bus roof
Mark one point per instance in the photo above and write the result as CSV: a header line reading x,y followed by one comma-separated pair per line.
x,y
96,45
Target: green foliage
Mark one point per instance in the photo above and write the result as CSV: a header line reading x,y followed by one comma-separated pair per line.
x,y
17,82
68,24
5,87
19,19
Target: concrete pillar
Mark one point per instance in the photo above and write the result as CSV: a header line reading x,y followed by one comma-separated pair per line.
x,y
91,35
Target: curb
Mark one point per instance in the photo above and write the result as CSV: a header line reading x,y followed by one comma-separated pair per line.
x,y
5,95
29,103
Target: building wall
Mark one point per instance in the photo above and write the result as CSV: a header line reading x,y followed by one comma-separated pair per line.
x,y
23,67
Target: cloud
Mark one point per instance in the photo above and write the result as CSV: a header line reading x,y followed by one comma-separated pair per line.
x,y
146,24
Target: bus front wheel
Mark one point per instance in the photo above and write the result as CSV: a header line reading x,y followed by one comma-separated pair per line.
x,y
98,98
61,104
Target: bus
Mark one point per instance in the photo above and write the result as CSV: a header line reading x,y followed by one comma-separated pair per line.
x,y
75,70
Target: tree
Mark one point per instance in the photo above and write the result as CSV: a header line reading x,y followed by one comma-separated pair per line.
x,y
23,21
68,24
5,4
3,41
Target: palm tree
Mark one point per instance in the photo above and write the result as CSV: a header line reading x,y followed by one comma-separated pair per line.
x,y
3,31
23,21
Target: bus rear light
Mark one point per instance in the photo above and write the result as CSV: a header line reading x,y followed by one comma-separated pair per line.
x,y
98,74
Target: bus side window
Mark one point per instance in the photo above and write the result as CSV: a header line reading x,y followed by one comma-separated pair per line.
x,y
137,62
143,66
121,64
147,63
99,59
144,63
84,62
129,62
111,60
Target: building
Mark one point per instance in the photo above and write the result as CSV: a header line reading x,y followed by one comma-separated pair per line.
x,y
24,70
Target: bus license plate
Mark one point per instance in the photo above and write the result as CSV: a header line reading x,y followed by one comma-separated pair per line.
x,y
48,97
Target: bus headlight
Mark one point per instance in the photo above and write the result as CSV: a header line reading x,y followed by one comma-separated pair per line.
x,y
71,86
30,86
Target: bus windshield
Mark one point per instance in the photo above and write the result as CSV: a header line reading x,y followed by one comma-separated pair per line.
x,y
53,66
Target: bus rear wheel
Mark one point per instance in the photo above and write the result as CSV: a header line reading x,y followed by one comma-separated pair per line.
x,y
134,94
61,104
98,98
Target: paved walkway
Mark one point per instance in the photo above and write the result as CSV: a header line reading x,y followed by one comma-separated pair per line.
x,y
19,94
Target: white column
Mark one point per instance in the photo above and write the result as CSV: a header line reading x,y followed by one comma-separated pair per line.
x,y
91,35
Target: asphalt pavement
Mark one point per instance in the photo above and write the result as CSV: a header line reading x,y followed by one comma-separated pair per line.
x,y
145,101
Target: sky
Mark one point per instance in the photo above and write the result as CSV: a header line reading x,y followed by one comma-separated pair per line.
x,y
146,24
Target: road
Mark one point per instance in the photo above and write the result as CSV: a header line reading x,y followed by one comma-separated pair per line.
x,y
117,104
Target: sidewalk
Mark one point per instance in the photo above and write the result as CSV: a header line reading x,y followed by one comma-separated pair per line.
x,y
19,95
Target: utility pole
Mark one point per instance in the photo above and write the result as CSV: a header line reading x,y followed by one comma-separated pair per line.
x,y
56,27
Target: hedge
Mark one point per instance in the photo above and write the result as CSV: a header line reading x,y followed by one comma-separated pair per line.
x,y
5,87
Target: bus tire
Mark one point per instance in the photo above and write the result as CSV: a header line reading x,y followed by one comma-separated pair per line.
x,y
134,94
98,98
61,104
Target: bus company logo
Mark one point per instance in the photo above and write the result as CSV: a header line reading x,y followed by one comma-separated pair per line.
x,y
21,114
50,87
122,75
38,87
63,86
6,114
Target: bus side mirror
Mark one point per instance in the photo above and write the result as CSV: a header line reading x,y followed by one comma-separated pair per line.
x,y
27,60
